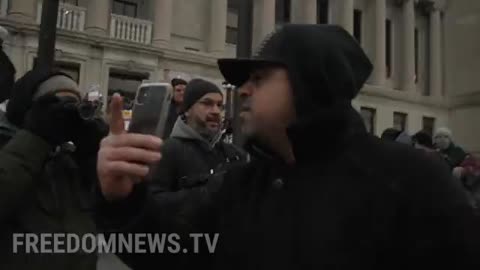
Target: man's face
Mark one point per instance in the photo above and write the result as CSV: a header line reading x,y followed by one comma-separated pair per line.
x,y
442,141
178,92
267,103
205,115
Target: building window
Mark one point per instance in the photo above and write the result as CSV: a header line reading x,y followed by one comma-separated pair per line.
x,y
232,35
400,121
232,22
428,124
125,8
416,54
71,69
322,11
70,2
388,47
357,25
369,115
126,84
282,11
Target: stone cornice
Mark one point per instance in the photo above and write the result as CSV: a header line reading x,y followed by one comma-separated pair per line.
x,y
101,41
426,6
466,100
402,96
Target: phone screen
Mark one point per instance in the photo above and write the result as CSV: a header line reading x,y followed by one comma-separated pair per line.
x,y
150,110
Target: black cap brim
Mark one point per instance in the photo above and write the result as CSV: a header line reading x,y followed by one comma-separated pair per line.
x,y
237,71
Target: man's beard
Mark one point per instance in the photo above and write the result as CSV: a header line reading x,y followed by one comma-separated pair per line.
x,y
204,131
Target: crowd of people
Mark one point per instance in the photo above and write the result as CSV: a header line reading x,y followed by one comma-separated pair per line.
x,y
310,189
465,167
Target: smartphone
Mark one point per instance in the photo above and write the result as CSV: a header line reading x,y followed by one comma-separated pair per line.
x,y
150,109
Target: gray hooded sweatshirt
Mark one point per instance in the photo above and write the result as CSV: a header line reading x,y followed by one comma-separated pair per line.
x,y
183,131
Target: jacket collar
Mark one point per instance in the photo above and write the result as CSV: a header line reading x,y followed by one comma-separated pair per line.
x,y
319,136
183,131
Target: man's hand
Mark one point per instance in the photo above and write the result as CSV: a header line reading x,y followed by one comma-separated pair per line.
x,y
124,158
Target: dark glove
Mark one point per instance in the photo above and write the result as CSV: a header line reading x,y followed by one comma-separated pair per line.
x,y
87,140
54,119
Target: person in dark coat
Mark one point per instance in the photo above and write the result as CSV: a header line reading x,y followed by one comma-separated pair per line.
x,y
320,192
194,152
390,134
194,149
423,140
47,182
357,202
394,135
179,86
7,73
454,155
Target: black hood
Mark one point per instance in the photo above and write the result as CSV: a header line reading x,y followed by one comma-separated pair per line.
x,y
327,69
326,65
23,90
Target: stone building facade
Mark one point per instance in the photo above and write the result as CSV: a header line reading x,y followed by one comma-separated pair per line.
x,y
425,52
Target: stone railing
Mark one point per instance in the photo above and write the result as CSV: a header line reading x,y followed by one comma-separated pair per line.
x,y
130,29
70,17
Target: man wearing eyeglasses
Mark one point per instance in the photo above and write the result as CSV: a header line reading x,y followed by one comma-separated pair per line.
x,y
195,150
194,159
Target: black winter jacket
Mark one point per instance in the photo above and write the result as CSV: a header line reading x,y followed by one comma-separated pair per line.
x,y
358,202
178,197
44,192
350,201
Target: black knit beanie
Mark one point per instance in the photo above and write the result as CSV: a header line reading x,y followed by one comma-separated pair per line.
x,y
423,138
195,90
178,81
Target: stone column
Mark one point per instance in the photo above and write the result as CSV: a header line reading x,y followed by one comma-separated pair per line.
x,y
218,26
344,12
162,24
379,73
94,71
304,11
263,20
23,10
408,72
435,54
98,17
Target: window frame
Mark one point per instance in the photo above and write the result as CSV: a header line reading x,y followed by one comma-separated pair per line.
x,y
323,13
234,31
372,120
358,27
431,129
389,47
285,7
124,5
405,120
63,2
417,53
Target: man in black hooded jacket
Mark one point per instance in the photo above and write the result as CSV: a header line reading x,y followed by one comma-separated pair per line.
x,y
320,192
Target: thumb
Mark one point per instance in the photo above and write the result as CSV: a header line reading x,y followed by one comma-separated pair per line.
x,y
117,124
